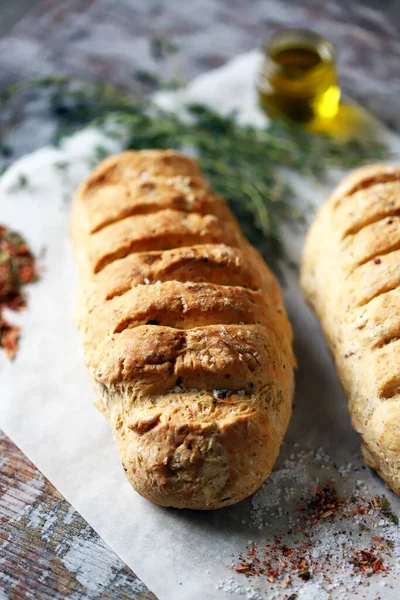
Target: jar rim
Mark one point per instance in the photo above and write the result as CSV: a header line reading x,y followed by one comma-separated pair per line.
x,y
290,38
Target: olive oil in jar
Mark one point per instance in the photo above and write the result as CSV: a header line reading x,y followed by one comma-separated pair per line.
x,y
298,78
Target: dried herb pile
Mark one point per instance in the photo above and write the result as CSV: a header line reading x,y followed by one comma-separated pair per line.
x,y
17,268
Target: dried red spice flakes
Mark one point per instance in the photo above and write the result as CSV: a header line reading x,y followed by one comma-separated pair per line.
x,y
325,503
280,563
9,336
17,268
367,561
276,561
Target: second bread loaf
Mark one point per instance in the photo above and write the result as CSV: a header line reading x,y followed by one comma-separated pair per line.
x,y
351,278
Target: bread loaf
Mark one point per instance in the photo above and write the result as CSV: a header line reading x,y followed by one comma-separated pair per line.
x,y
351,278
184,330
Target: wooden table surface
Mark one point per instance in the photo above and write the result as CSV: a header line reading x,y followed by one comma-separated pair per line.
x,y
47,551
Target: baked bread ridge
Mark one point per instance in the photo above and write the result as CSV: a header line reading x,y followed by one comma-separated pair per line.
x,y
350,276
184,330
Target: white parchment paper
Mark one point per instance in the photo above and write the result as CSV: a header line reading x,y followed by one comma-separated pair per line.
x,y
45,395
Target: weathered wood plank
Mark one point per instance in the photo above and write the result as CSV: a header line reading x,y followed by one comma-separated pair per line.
x,y
47,550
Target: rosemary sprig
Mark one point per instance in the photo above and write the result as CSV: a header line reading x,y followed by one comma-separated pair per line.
x,y
241,162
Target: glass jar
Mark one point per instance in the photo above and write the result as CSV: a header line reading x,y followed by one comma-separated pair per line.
x,y
298,77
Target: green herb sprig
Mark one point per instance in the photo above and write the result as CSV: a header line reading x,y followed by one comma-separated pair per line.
x,y
241,162
387,512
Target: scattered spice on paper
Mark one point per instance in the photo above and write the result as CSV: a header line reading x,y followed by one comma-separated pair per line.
x,y
368,561
334,537
282,562
17,268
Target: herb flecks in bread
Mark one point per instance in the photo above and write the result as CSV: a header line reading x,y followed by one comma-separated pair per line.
x,y
184,330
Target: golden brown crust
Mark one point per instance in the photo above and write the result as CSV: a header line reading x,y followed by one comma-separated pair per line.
x,y
351,277
170,229
216,263
184,330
